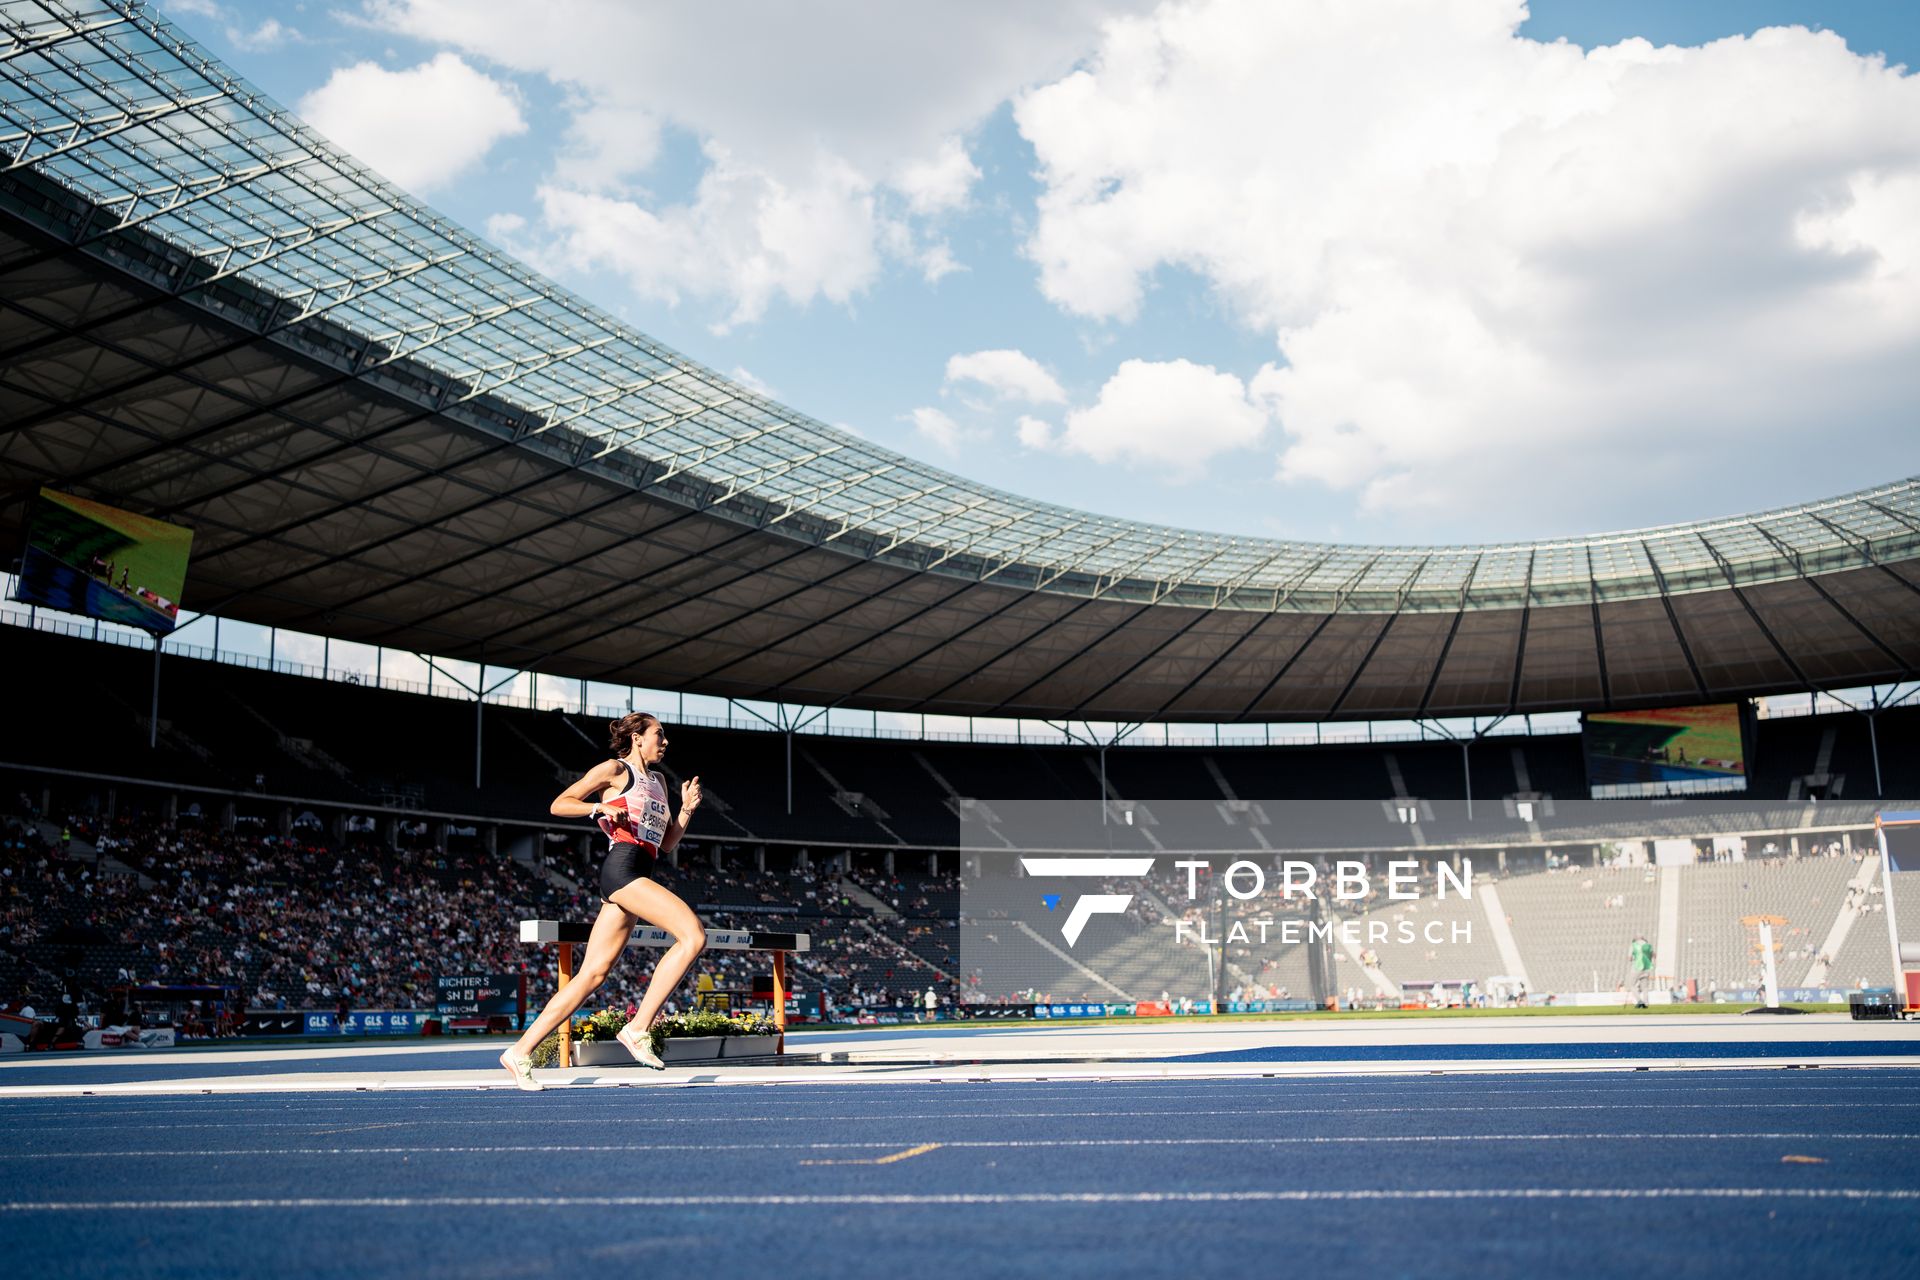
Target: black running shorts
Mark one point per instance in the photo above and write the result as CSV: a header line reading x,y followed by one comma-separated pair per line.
x,y
624,864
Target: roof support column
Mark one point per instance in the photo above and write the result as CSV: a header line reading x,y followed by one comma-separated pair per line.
x,y
152,718
1100,746
1873,735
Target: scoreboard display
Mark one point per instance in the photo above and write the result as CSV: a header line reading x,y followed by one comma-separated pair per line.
x,y
88,558
1669,751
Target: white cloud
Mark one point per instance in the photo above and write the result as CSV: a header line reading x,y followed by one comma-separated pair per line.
x,y
269,35
420,127
1174,415
743,234
844,116
941,431
939,183
936,262
745,377
1503,274
1035,433
606,146
192,8
503,227
1008,375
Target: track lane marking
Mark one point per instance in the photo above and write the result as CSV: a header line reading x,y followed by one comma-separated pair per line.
x,y
548,1120
976,1143
1841,1194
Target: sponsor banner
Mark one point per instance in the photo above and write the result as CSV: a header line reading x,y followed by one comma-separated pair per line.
x,y
1272,1006
805,1006
386,1022
129,1038
487,995
1070,1011
1788,995
274,1023
1152,1009
1004,1010
360,1022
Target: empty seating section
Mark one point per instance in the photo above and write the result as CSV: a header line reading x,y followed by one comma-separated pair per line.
x,y
1136,953
1428,940
1573,926
1721,904
1865,959
1136,774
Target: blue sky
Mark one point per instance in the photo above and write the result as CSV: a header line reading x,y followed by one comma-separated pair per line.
x,y
1267,268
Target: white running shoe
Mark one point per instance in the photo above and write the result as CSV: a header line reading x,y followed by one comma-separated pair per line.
x,y
641,1047
521,1069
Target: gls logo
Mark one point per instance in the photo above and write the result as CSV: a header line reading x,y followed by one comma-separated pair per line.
x,y
1088,905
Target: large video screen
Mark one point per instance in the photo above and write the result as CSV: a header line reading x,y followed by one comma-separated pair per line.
x,y
89,558
1672,751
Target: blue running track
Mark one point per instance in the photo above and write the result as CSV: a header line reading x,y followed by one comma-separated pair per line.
x,y
1802,1173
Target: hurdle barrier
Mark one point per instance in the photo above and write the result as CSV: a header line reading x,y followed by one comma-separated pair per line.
x,y
567,935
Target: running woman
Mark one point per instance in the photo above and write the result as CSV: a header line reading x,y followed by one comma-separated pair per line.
x,y
632,810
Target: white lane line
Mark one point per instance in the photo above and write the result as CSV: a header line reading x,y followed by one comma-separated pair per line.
x,y
1745,1082
1304,1072
1843,1194
61,1106
1248,1113
693,1148
61,1111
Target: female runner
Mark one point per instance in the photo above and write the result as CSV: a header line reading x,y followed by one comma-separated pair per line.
x,y
632,810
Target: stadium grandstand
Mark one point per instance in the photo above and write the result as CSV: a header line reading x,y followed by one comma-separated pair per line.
x,y
385,433
449,519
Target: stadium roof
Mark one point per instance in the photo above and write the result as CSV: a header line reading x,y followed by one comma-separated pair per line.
x,y
385,430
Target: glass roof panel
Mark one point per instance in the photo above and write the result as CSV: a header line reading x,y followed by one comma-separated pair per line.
x,y
141,121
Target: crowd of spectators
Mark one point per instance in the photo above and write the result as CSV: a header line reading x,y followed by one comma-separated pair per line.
x,y
302,922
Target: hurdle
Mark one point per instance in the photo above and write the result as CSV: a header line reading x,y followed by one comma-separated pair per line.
x,y
567,935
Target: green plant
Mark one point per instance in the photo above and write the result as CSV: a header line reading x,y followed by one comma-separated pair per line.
x,y
604,1025
709,1023
608,1023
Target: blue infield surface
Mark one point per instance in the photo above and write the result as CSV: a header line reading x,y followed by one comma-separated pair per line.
x,y
1751,1173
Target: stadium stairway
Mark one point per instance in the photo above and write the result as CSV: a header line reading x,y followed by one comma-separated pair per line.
x,y
1858,894
869,901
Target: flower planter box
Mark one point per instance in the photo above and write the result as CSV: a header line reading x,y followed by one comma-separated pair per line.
x,y
609,1053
